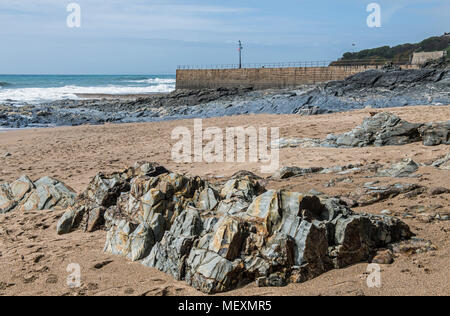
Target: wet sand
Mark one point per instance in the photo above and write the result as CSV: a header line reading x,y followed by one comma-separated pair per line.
x,y
118,96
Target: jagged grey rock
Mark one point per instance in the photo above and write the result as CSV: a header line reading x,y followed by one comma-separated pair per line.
x,y
105,191
373,194
219,237
402,169
245,189
207,199
7,202
434,134
129,240
70,219
289,172
211,273
442,163
383,129
44,194
170,254
296,142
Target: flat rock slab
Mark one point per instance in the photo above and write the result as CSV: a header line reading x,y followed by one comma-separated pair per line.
x,y
405,168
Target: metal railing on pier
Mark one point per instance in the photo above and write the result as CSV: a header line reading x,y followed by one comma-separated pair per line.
x,y
259,65
298,64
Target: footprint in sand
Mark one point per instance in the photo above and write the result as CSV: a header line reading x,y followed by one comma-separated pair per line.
x,y
52,279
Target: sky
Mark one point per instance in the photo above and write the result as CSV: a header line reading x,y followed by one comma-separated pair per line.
x,y
154,36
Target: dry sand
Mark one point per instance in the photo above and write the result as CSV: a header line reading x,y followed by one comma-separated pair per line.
x,y
33,259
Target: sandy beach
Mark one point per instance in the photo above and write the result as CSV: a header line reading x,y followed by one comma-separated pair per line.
x,y
229,156
34,258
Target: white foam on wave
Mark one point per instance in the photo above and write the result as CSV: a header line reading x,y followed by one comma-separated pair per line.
x,y
39,95
154,81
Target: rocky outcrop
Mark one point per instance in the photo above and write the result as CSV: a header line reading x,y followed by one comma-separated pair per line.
x,y
371,194
442,163
405,168
219,237
442,63
412,246
289,172
104,191
434,134
382,129
44,194
170,254
100,111
388,78
296,143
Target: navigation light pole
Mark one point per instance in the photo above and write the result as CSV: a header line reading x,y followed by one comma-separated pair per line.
x,y
240,54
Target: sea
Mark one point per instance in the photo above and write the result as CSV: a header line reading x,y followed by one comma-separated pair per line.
x,y
36,89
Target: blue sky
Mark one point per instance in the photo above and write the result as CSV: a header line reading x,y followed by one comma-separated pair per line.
x,y
154,36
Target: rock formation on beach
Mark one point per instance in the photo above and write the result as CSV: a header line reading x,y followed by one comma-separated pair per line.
x,y
382,129
443,163
43,194
219,237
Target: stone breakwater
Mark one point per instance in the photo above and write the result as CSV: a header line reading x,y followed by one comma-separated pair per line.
x,y
374,88
219,237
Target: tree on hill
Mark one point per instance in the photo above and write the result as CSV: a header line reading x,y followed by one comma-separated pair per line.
x,y
400,53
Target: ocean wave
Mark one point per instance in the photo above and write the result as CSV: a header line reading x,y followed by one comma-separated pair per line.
x,y
4,84
39,95
154,81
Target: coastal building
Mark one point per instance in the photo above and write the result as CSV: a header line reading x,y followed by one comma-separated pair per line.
x,y
422,58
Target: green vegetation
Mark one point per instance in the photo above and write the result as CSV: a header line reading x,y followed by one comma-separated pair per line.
x,y
400,53
448,52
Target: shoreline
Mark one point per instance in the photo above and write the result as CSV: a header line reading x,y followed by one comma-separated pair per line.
x,y
375,89
92,96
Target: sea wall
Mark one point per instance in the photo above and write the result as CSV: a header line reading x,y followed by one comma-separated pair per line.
x,y
265,78
422,58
